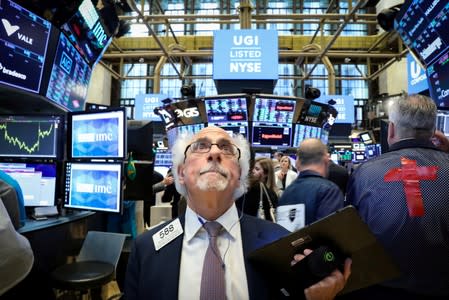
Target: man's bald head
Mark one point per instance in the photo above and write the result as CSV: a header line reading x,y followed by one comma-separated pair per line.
x,y
311,152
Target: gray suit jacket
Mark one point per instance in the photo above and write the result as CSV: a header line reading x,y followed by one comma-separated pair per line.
x,y
154,274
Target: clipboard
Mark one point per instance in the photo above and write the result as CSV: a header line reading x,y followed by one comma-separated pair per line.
x,y
343,229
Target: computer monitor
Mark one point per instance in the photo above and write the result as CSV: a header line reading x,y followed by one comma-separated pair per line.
x,y
95,186
438,80
303,132
97,134
31,136
367,137
37,180
140,139
271,134
443,121
69,77
229,112
23,46
273,109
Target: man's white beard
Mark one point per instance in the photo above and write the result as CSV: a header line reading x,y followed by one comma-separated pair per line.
x,y
209,183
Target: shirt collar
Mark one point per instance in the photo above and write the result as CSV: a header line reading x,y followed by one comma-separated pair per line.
x,y
193,224
411,143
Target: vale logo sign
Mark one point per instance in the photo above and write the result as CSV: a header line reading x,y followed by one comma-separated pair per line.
x,y
11,29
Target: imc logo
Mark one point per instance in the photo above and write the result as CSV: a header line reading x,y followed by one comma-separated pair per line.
x,y
66,63
11,29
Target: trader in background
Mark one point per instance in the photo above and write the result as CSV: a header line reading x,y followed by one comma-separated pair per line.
x,y
211,171
403,197
311,192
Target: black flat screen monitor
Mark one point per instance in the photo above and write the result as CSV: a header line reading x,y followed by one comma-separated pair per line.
x,y
69,78
38,181
140,139
93,186
31,136
271,134
423,26
87,32
97,134
23,46
224,109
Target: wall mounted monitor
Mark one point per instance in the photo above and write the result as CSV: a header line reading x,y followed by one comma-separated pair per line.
x,y
97,134
271,134
93,186
303,132
140,139
69,77
87,32
23,46
422,26
273,109
31,136
173,133
438,79
38,181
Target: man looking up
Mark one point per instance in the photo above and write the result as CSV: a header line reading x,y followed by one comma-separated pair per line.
x,y
210,170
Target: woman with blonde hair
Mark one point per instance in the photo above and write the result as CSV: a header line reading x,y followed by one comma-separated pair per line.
x,y
285,175
261,198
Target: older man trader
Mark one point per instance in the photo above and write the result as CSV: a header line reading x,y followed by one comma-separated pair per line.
x,y
210,170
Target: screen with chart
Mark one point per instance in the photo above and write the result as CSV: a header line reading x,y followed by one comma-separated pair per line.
x,y
423,26
31,136
438,79
93,186
97,134
38,181
69,78
271,134
23,46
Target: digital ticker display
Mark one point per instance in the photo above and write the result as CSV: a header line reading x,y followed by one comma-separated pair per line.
x,y
69,77
273,110
229,113
30,136
86,31
93,186
423,26
23,46
438,77
269,134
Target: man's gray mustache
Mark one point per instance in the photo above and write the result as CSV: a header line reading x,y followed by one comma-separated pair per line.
x,y
214,168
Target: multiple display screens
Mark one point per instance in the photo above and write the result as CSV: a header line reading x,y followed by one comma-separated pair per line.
x,y
38,181
422,26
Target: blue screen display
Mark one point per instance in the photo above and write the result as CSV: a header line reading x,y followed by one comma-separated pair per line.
x,y
98,134
93,186
268,134
226,110
303,132
69,77
23,46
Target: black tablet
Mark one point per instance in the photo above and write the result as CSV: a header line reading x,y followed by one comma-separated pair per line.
x,y
344,231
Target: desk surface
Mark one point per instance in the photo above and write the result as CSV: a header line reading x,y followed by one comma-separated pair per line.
x,y
33,225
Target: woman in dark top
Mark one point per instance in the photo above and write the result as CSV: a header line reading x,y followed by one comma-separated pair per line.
x,y
261,198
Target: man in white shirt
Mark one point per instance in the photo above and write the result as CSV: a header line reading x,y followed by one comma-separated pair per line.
x,y
210,170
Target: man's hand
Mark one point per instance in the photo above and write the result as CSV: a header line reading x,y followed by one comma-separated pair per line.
x,y
331,285
440,141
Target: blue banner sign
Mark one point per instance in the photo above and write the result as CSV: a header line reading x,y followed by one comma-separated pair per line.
x,y
245,54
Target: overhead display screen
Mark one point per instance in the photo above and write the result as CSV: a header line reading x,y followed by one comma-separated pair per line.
x,y
23,46
232,109
87,32
423,26
273,110
69,77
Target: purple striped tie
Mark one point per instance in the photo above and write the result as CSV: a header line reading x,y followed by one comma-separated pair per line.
x,y
213,278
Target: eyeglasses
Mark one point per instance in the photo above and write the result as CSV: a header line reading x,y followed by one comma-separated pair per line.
x,y
205,146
